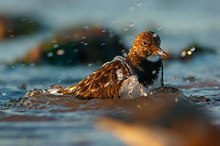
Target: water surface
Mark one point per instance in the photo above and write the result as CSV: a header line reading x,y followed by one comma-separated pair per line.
x,y
72,123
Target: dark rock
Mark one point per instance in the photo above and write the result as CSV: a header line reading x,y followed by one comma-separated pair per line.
x,y
194,50
90,44
12,26
163,123
191,51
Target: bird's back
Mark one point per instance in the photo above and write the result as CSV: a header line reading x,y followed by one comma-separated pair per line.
x,y
104,82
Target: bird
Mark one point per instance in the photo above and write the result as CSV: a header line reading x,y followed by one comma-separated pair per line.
x,y
126,77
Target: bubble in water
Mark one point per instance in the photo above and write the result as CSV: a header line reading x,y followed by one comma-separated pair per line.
x,y
131,24
4,93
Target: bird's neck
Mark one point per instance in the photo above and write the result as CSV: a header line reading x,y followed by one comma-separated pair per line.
x,y
134,58
146,68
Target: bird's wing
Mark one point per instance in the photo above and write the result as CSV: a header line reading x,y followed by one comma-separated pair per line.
x,y
103,83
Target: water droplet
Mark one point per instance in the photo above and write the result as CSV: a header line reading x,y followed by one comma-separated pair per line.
x,y
124,52
90,64
139,106
50,54
10,30
102,44
55,46
86,27
60,52
183,54
112,22
159,28
131,8
75,50
176,99
174,78
125,29
131,24
139,4
189,52
145,94
72,45
154,35
83,37
4,93
192,49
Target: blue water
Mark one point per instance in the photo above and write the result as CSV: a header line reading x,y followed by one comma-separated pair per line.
x,y
177,22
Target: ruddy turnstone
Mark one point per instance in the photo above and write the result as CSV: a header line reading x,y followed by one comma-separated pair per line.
x,y
126,77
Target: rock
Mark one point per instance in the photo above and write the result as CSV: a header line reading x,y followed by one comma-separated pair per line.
x,y
90,44
171,94
194,50
163,124
191,51
12,26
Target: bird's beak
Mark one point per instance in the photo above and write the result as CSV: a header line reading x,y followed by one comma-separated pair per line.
x,y
159,51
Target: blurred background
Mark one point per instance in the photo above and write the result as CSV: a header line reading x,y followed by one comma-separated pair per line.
x,y
178,23
46,42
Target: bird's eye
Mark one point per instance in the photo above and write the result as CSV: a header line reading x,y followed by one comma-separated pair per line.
x,y
144,43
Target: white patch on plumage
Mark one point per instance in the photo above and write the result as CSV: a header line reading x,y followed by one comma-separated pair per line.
x,y
153,58
119,58
157,82
131,88
120,75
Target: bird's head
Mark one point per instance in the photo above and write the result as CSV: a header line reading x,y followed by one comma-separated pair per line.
x,y
146,44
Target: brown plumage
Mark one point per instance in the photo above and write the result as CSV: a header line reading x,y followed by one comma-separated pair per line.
x,y
107,81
